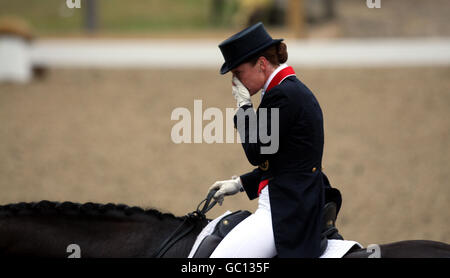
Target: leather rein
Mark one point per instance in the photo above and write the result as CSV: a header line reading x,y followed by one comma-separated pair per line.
x,y
187,225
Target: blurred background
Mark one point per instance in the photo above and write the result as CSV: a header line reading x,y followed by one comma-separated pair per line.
x,y
87,92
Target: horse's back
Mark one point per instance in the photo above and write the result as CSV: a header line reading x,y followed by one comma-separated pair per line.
x,y
405,249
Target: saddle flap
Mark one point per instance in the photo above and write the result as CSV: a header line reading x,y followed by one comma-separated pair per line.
x,y
230,221
222,228
207,246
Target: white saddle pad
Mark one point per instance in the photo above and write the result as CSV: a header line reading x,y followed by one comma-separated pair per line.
x,y
338,248
335,248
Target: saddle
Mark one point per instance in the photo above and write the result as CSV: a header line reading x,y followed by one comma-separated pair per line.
x,y
228,222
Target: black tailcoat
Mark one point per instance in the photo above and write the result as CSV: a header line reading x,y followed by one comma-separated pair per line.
x,y
296,182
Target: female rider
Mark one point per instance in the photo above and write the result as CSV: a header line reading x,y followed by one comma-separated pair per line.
x,y
288,181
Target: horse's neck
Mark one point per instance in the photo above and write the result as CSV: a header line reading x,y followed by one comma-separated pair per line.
x,y
50,235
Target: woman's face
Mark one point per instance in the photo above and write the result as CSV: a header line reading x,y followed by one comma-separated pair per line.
x,y
252,76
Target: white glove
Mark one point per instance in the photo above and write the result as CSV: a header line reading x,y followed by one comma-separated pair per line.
x,y
226,188
240,93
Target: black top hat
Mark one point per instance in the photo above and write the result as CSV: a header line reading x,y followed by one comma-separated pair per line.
x,y
243,45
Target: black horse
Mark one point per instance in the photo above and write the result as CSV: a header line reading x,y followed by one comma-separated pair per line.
x,y
52,229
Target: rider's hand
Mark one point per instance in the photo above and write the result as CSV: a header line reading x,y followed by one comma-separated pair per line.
x,y
226,188
240,93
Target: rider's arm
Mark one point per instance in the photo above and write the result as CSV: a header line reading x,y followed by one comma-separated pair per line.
x,y
276,99
250,182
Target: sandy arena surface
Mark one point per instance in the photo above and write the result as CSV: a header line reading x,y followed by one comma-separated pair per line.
x,y
104,136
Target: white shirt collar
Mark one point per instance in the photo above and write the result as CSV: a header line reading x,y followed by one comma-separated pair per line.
x,y
277,70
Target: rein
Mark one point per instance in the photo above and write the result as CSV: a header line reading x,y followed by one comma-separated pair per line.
x,y
189,222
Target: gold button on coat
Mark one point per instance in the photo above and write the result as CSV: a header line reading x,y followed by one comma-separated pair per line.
x,y
264,166
314,169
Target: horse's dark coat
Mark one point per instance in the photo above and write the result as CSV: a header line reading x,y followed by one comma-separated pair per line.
x,y
46,229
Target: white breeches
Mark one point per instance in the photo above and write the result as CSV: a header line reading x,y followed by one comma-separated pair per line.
x,y
253,237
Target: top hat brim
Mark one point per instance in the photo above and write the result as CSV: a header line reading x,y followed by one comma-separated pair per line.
x,y
227,67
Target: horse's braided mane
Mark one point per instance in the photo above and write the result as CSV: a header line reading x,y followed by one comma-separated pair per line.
x,y
66,208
